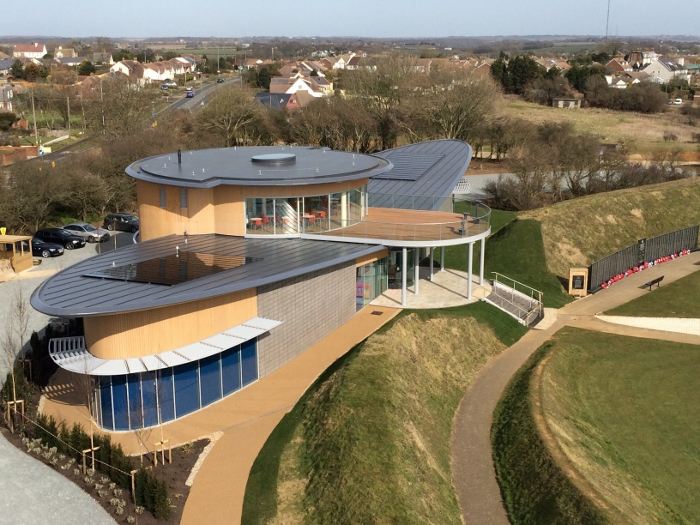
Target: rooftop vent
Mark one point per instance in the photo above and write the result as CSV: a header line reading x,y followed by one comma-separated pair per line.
x,y
274,159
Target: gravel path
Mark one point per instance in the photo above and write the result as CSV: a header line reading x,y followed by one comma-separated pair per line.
x,y
473,471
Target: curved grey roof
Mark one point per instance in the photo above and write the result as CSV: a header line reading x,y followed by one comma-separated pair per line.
x,y
427,172
207,168
75,291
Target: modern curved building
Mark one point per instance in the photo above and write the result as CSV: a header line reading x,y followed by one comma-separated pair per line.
x,y
247,257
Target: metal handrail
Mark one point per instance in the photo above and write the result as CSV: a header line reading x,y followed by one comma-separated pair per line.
x,y
538,300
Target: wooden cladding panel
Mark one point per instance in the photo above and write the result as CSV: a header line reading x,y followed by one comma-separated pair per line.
x,y
217,210
161,329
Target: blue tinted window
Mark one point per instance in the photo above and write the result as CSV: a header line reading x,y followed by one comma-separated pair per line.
x,y
231,369
106,402
165,395
186,389
135,413
148,392
121,409
210,377
249,362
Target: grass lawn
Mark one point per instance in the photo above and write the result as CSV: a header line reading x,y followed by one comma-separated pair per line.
x,y
678,299
622,409
580,231
515,249
370,441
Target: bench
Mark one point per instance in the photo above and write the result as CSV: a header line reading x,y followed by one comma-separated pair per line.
x,y
653,282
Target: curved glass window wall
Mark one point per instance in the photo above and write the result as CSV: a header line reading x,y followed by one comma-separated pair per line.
x,y
135,401
293,215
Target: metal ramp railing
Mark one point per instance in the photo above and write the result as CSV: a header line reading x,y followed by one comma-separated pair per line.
x,y
519,300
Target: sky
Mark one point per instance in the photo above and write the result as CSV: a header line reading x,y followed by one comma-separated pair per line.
x,y
368,18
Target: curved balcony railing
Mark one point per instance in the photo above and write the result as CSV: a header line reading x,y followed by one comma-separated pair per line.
x,y
468,219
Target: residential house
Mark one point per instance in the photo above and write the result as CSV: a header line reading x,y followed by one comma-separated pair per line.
x,y
625,80
285,101
6,66
102,58
133,69
69,61
34,50
618,65
549,63
64,52
663,71
639,59
6,95
314,86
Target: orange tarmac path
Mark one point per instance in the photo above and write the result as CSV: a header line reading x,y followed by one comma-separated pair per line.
x,y
217,493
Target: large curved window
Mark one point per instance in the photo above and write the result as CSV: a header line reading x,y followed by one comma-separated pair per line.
x,y
316,213
134,401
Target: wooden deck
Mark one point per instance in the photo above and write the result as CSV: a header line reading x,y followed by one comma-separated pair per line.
x,y
411,225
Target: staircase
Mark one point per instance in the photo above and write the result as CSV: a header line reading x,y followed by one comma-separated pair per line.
x,y
520,301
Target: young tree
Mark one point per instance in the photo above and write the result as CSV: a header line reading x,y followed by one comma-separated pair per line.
x,y
86,68
17,69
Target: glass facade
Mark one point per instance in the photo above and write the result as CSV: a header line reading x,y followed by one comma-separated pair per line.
x,y
134,401
372,281
396,270
317,213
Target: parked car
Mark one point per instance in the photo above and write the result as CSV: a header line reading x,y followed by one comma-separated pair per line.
x,y
60,236
88,232
125,222
45,249
219,80
189,92
678,102
169,83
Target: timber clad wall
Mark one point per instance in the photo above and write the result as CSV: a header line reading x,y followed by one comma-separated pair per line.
x,y
216,210
311,306
161,329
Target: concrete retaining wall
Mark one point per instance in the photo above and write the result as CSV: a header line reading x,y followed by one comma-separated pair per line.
x,y
667,324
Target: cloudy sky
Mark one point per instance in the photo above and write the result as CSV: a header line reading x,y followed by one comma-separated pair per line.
x,y
377,18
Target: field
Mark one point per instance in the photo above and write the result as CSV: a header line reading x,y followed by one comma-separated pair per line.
x,y
369,442
580,231
642,134
618,407
678,299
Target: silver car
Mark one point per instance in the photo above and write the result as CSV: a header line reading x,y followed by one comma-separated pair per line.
x,y
88,232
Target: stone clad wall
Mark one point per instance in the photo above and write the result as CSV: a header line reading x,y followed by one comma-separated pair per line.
x,y
310,307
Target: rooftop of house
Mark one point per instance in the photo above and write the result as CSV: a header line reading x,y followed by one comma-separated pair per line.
x,y
257,166
29,48
174,270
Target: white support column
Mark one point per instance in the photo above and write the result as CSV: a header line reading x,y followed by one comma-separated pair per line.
x,y
481,261
469,271
416,269
442,258
431,265
404,268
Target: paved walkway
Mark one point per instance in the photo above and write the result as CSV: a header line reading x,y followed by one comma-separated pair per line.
x,y
472,465
448,288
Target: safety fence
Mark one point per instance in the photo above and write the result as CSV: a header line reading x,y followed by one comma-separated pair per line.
x,y
645,250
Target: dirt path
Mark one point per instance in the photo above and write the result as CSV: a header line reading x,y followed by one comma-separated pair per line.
x,y
474,476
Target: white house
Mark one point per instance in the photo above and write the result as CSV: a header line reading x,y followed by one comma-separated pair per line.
x,y
662,72
297,83
34,50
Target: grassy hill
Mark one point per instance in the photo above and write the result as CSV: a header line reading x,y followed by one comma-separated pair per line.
x,y
370,441
634,438
602,431
580,231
